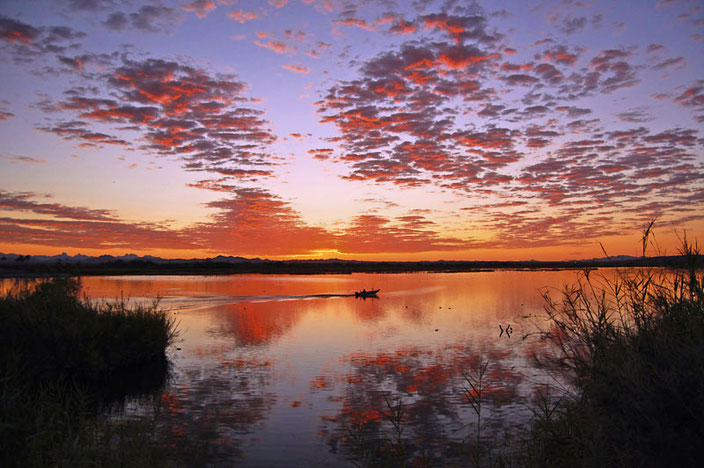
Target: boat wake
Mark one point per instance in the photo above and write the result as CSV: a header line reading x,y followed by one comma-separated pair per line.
x,y
176,303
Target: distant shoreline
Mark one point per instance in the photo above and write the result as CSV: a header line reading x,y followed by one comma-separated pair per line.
x,y
26,269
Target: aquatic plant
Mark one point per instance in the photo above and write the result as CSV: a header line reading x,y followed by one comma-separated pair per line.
x,y
631,349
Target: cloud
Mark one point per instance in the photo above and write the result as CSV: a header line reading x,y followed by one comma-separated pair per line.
x,y
149,18
402,120
676,63
398,24
297,36
117,21
322,6
573,112
637,115
572,25
89,5
79,130
22,201
360,23
276,46
319,47
59,225
297,68
519,79
16,31
622,73
693,97
243,16
26,43
394,127
321,154
25,159
248,221
201,8
201,118
559,55
461,28
373,233
90,234
256,222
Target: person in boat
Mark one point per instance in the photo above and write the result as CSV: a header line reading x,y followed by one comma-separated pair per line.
x,y
364,291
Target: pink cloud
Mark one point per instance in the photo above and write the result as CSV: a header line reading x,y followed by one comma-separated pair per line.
x,y
297,68
276,46
360,23
201,8
242,17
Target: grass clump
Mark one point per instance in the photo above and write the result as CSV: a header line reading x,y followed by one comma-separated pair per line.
x,y
49,333
631,350
65,363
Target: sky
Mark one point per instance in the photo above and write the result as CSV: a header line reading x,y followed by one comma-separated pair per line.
x,y
371,130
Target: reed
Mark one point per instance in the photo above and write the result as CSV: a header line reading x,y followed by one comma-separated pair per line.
x,y
65,363
631,349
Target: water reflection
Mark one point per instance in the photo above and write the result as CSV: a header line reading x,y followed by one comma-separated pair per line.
x,y
280,370
429,384
255,323
206,419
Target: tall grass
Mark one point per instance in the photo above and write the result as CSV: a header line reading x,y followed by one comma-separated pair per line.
x,y
64,363
631,349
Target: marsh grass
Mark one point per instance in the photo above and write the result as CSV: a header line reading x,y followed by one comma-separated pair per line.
x,y
66,365
631,349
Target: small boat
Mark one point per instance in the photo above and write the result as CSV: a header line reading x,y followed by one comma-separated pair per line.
x,y
365,293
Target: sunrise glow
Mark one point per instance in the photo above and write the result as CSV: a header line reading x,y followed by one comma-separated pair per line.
x,y
370,130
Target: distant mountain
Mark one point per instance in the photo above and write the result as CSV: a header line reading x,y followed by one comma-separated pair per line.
x,y
616,258
79,258
45,265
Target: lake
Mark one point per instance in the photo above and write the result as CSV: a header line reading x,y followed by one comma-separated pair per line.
x,y
292,371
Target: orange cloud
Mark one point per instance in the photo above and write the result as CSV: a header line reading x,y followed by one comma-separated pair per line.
x,y
242,17
276,46
201,8
360,23
297,68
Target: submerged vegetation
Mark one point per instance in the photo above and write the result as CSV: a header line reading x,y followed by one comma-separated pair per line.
x,y
65,363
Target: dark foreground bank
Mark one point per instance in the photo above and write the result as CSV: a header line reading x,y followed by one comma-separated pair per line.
x,y
65,365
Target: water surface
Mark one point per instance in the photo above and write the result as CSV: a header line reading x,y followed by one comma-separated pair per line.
x,y
282,370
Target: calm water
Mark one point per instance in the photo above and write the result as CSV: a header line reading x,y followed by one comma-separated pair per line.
x,y
271,371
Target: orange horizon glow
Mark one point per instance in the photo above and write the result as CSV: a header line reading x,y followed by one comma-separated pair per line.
x,y
661,243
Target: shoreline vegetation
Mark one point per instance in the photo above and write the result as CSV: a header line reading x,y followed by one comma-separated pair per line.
x,y
626,353
66,365
19,266
631,350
